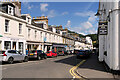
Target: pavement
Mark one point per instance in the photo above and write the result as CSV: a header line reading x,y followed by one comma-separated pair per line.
x,y
62,67
93,69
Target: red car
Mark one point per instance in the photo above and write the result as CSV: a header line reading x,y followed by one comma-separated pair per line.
x,y
51,54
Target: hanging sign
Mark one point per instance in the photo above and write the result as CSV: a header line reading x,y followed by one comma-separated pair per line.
x,y
103,30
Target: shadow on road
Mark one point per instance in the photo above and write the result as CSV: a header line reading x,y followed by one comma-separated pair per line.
x,y
70,60
91,62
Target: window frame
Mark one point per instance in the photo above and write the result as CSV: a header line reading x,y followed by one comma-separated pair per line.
x,y
7,28
20,28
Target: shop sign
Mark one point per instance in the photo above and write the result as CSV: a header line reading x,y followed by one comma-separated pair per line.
x,y
103,30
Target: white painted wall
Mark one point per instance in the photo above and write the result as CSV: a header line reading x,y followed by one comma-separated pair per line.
x,y
110,42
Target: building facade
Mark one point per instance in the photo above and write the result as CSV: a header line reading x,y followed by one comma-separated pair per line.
x,y
12,28
109,44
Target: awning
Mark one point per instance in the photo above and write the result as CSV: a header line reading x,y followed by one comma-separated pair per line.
x,y
1,36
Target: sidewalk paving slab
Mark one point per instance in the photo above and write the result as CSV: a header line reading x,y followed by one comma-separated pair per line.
x,y
92,68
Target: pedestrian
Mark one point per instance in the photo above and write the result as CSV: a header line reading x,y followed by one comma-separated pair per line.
x,y
26,51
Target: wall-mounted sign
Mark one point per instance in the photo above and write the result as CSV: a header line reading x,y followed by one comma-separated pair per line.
x,y
103,30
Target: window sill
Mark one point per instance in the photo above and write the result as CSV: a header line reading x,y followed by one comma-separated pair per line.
x,y
7,33
20,35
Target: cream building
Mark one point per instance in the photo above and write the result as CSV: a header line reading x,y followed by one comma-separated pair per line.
x,y
12,28
21,31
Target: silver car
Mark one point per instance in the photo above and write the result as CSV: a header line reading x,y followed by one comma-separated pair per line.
x,y
12,55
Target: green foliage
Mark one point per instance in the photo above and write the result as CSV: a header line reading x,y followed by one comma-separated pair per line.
x,y
93,36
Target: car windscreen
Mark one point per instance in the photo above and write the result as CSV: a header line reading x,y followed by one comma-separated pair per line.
x,y
39,51
47,52
1,52
81,53
32,51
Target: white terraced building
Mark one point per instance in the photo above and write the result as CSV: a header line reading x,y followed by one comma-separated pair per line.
x,y
21,32
109,43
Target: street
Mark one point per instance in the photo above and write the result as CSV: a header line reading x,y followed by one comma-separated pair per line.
x,y
59,67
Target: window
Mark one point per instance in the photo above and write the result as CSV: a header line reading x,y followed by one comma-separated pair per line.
x,y
12,51
21,47
28,19
7,45
41,25
35,33
10,10
29,32
6,25
40,35
20,28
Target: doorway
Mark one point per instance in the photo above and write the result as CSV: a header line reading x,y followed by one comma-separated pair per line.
x,y
14,46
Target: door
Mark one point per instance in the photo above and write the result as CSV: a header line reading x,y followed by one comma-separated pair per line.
x,y
13,54
14,46
19,55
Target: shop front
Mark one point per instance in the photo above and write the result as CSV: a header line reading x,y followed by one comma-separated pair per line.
x,y
13,44
58,48
34,45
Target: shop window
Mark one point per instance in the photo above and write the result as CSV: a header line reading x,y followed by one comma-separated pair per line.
x,y
7,45
21,47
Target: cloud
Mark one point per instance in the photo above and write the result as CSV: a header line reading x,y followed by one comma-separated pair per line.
x,y
64,13
43,7
89,26
86,25
91,31
85,14
27,5
51,14
68,25
92,19
30,7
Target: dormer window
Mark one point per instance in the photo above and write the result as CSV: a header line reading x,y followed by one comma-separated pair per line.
x,y
28,19
10,10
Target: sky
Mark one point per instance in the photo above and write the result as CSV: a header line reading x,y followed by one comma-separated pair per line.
x,y
76,16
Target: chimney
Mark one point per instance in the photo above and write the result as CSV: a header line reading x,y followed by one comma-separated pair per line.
x,y
33,17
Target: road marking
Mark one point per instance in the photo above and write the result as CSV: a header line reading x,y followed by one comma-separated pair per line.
x,y
71,71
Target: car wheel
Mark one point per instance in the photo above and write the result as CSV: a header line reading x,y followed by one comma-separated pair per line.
x,y
10,60
52,56
45,57
26,59
38,57
77,57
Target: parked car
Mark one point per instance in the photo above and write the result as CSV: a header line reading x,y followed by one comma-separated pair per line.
x,y
13,55
69,52
83,53
51,54
61,53
38,54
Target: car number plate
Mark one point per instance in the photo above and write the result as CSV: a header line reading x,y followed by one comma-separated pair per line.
x,y
31,54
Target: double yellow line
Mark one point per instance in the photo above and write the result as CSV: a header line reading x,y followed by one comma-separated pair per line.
x,y
74,68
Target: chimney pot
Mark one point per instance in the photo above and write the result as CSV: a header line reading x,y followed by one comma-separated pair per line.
x,y
33,17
